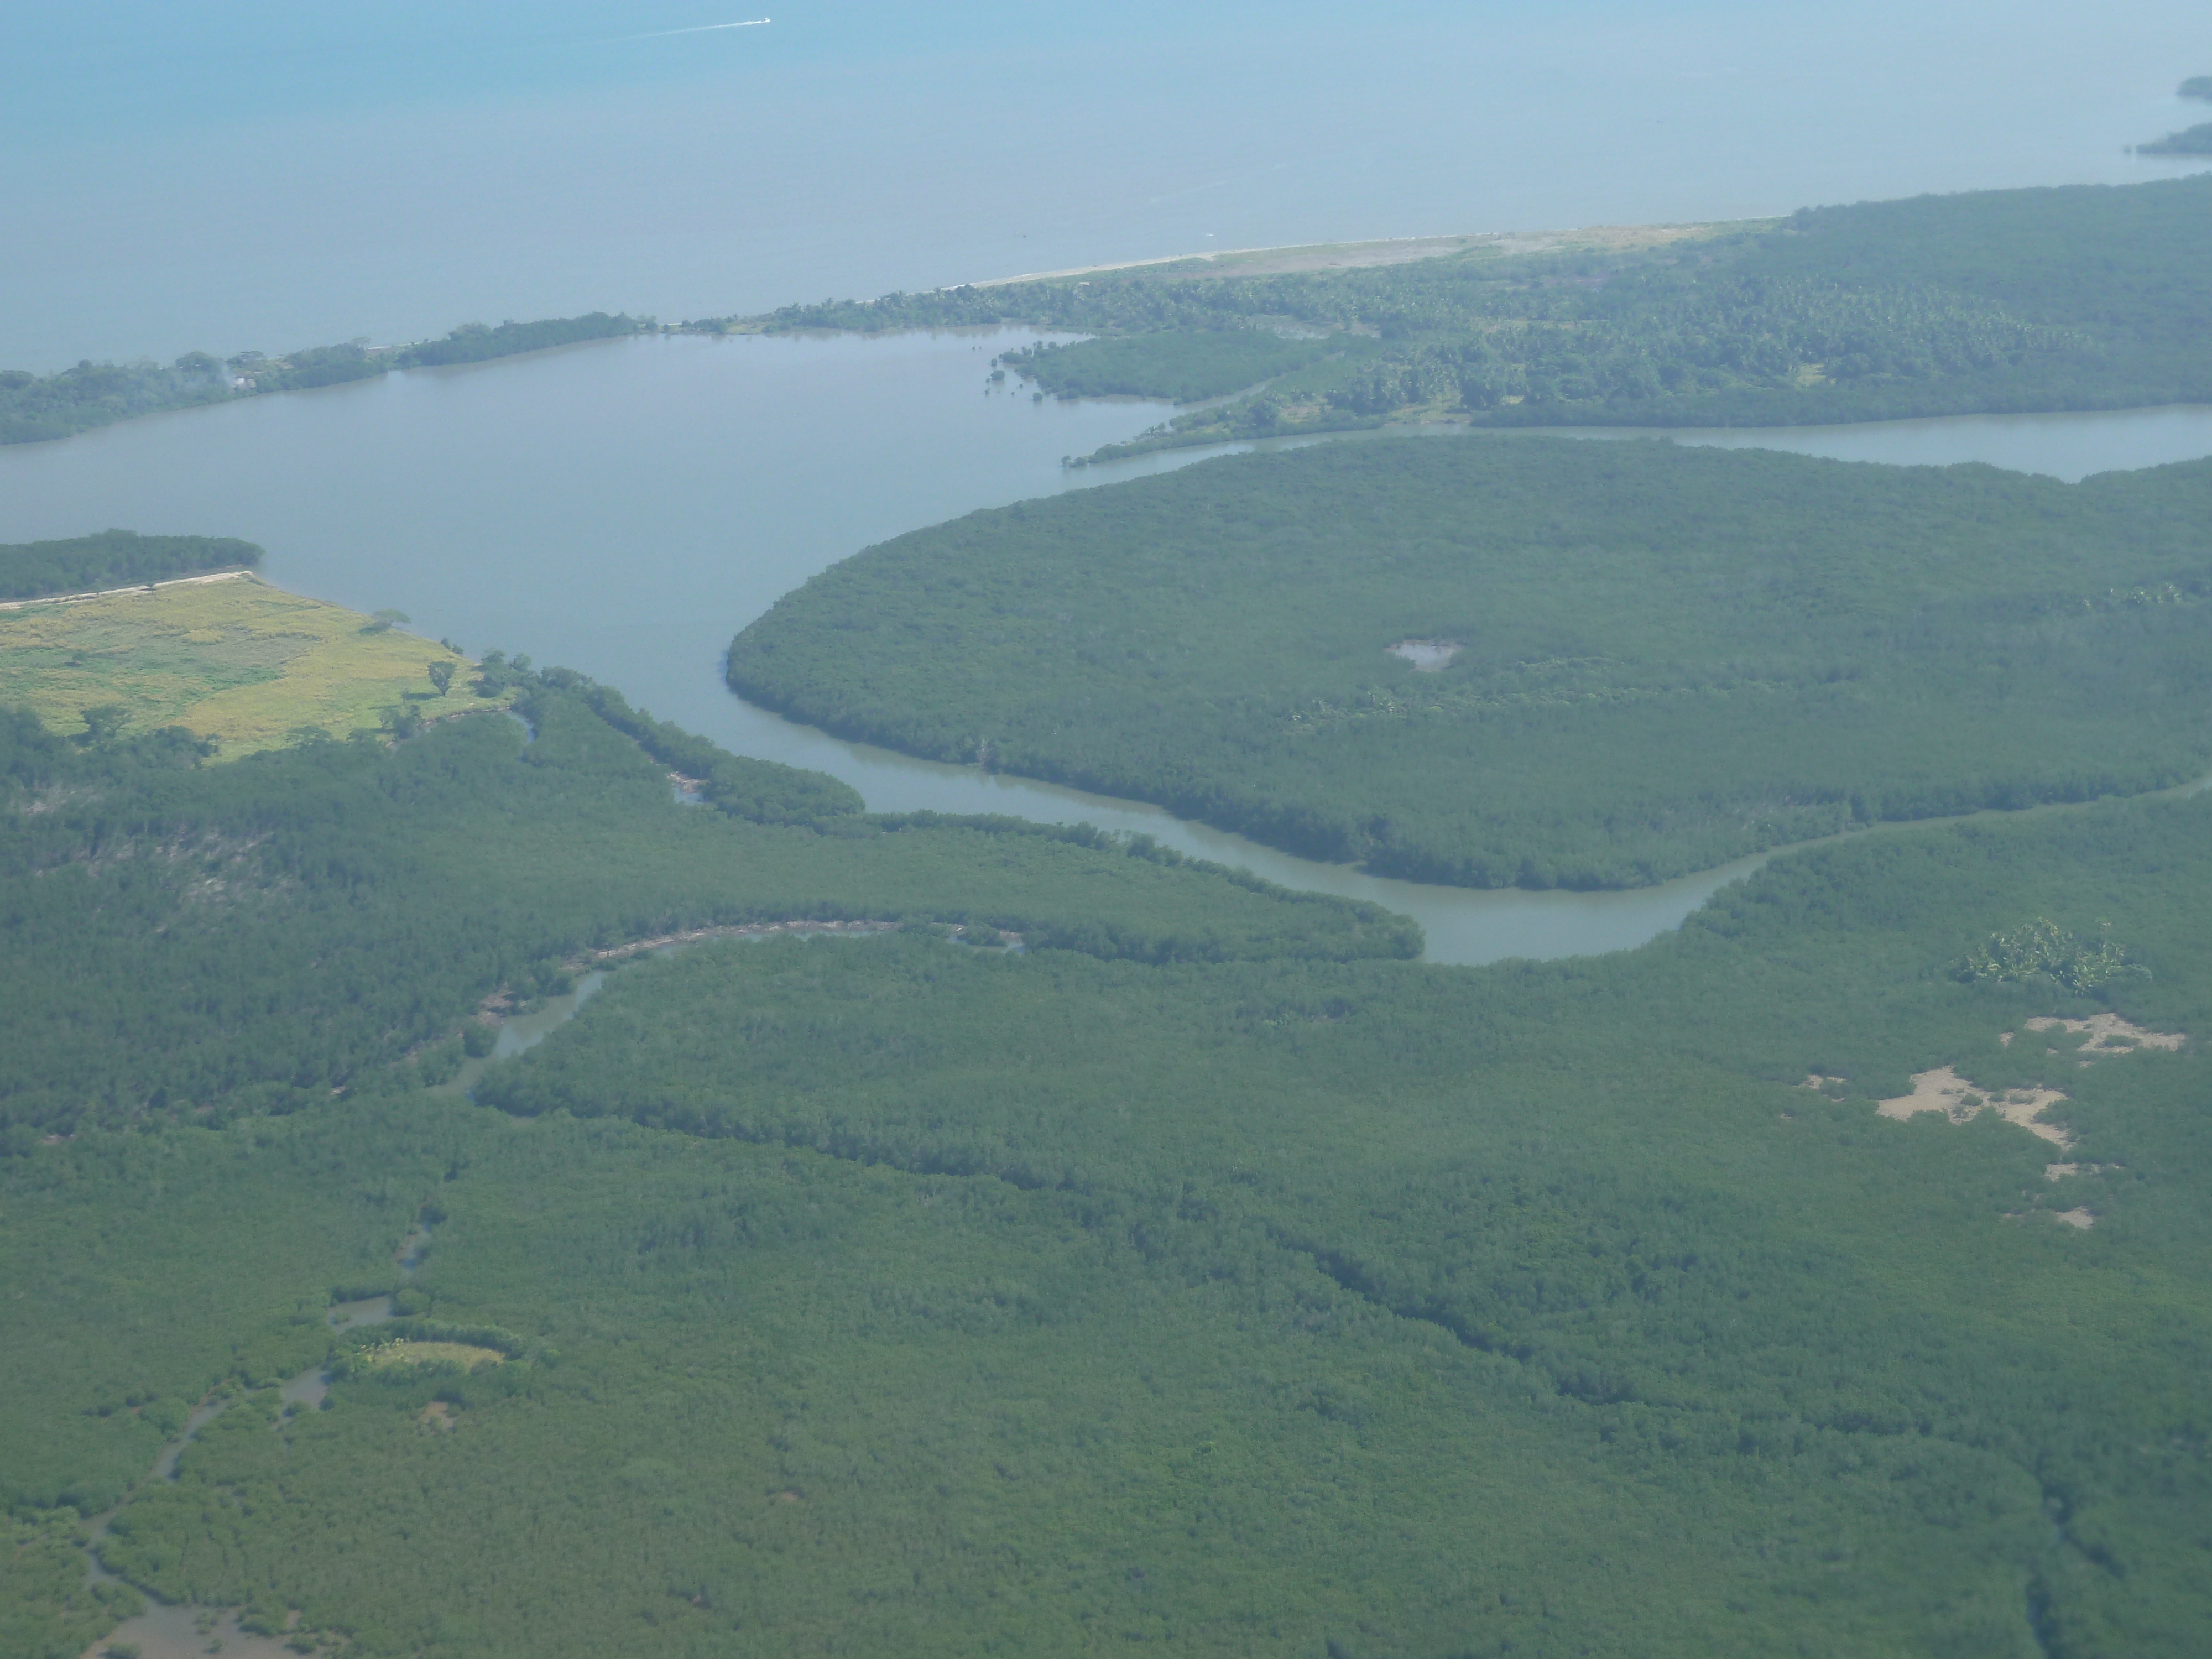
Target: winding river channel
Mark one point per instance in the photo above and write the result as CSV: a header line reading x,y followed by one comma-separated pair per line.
x,y
624,508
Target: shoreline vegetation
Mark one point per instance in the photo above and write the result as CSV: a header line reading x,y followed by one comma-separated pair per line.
x,y
83,567
2035,300
2189,141
1661,658
782,1244
498,854
1994,301
36,408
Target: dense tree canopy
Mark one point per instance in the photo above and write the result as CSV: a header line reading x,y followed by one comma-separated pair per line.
x,y
115,558
265,931
33,407
903,1298
2082,297
1660,658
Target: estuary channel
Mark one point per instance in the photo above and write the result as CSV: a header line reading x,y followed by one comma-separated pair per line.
x,y
624,508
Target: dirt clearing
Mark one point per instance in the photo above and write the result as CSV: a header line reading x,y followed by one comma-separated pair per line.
x,y
1944,1090
2108,1034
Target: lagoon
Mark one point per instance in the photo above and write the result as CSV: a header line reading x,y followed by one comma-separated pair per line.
x,y
625,508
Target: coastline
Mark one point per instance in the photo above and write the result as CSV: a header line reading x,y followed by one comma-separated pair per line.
x,y
1392,250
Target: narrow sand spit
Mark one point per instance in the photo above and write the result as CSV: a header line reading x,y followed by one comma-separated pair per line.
x,y
1346,256
1944,1090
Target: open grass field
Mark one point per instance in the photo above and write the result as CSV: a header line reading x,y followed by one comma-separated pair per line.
x,y
236,660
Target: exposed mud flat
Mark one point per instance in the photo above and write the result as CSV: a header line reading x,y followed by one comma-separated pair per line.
x,y
1961,1100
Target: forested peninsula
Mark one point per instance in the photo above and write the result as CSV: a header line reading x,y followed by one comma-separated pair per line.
x,y
2073,298
1520,660
35,407
2189,141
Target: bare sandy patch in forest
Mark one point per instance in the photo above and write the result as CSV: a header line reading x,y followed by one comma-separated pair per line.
x,y
437,1417
2060,1171
1944,1090
2108,1034
1427,656
1959,1099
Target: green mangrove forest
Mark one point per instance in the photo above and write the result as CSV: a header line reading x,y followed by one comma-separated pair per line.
x,y
37,407
524,1183
2073,298
115,558
1201,1279
1654,659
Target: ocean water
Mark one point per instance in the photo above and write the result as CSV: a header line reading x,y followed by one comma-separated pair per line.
x,y
259,174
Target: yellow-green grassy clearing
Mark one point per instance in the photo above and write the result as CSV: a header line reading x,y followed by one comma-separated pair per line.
x,y
239,661
405,1353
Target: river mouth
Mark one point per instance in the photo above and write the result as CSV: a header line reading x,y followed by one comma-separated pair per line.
x,y
749,465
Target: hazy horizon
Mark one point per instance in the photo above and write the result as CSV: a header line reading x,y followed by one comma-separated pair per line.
x,y
248,177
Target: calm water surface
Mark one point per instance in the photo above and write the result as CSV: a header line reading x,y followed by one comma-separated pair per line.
x,y
624,508
2068,447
